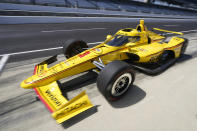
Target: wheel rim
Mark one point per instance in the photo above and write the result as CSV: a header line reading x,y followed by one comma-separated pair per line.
x,y
121,84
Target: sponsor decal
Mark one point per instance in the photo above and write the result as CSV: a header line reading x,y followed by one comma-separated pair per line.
x,y
41,71
84,54
72,107
76,106
53,98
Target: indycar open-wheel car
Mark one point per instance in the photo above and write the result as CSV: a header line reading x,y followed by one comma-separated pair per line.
x,y
114,59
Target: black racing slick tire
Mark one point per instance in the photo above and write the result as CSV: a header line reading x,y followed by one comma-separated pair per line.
x,y
115,79
74,47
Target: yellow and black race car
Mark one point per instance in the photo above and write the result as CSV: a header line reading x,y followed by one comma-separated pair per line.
x,y
115,60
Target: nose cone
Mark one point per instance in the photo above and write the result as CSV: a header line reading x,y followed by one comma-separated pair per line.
x,y
27,84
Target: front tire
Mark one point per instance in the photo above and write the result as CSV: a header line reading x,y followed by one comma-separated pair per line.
x,y
115,80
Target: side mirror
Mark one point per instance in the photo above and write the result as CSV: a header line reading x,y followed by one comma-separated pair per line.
x,y
108,36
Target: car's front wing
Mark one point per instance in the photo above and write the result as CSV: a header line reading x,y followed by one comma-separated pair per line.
x,y
57,104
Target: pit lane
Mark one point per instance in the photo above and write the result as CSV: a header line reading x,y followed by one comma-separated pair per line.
x,y
163,102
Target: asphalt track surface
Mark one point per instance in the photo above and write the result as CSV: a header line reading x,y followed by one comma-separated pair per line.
x,y
166,102
28,37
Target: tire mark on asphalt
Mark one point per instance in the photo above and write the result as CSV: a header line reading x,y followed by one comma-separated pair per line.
x,y
17,102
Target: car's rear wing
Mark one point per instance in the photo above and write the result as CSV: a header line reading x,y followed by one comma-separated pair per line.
x,y
57,104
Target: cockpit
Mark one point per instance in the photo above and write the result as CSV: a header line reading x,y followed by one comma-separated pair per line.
x,y
120,40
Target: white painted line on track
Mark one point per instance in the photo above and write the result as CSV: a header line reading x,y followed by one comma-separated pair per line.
x,y
3,61
188,31
41,50
32,51
49,31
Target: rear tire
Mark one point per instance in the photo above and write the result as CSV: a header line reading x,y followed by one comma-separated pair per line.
x,y
115,80
74,47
